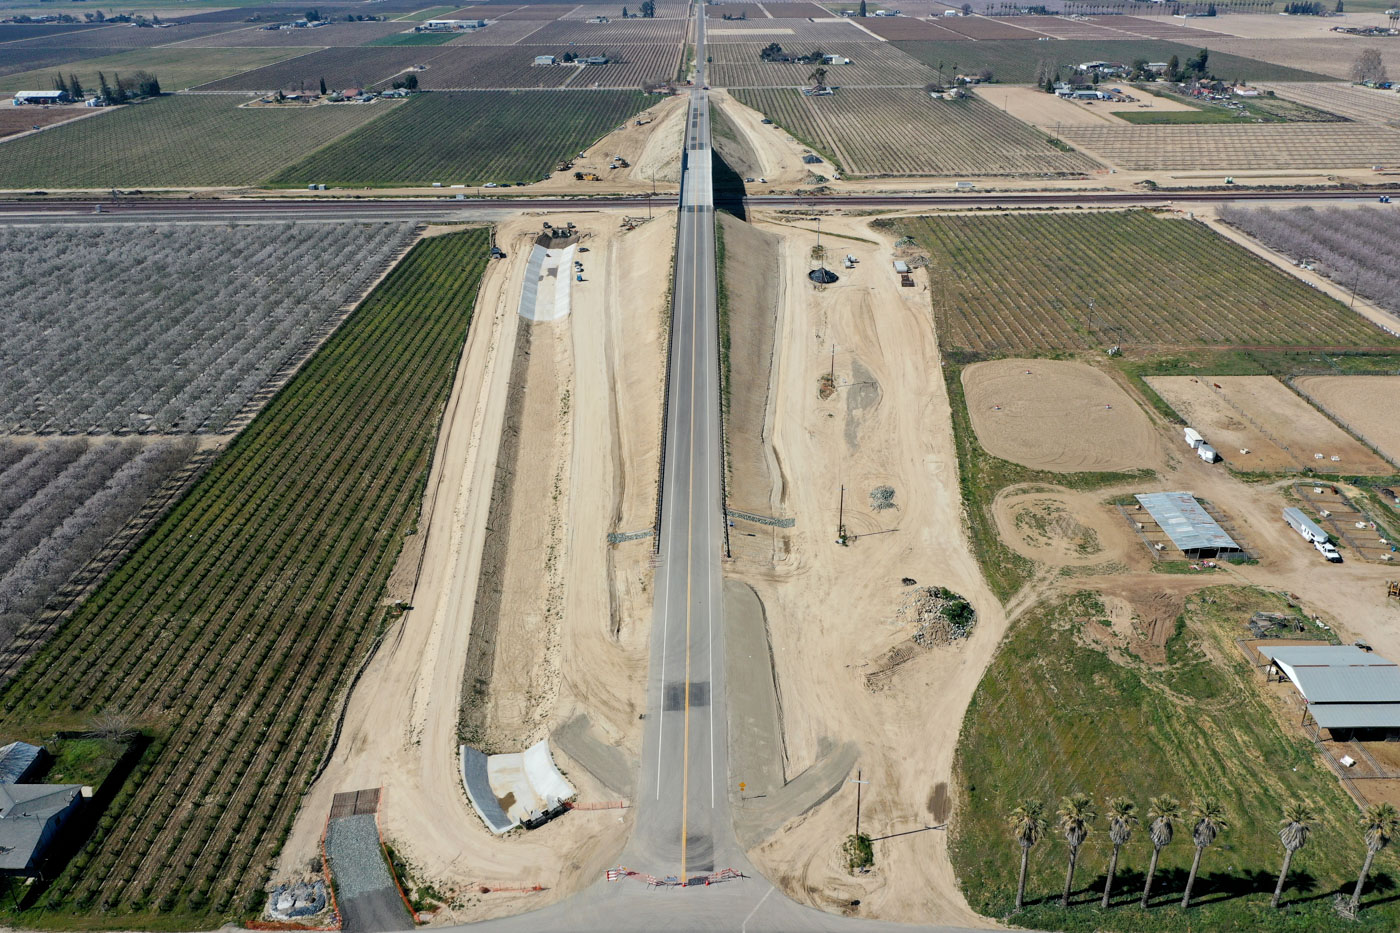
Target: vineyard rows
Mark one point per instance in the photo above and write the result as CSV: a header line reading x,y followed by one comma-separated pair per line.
x,y
336,35
112,38
1157,29
177,68
783,32
1169,148
177,140
1368,105
14,60
886,131
616,32
1026,283
469,138
235,625
60,502
1357,248
1015,61
737,65
169,328
342,68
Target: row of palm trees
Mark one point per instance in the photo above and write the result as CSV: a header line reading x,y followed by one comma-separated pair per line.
x,y
1076,814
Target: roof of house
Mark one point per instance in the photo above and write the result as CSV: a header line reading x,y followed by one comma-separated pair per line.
x,y
16,759
25,812
1323,656
1185,522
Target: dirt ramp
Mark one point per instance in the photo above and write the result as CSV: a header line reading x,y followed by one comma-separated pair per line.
x,y
1054,415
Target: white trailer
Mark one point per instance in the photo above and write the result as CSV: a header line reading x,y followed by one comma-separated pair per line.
x,y
1311,533
1207,453
1193,438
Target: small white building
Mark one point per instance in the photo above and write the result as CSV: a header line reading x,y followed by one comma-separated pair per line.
x,y
835,60
901,267
1193,438
544,59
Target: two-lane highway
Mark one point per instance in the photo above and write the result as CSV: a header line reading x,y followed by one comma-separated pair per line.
x,y
683,821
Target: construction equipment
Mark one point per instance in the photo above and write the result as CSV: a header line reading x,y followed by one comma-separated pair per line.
x,y
1392,589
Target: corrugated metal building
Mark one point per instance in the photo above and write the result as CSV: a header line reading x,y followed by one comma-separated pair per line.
x,y
1345,688
1189,526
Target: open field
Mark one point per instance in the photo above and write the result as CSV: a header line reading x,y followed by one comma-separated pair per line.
x,y
21,119
1014,61
176,68
62,501
18,32
231,629
1261,415
168,329
336,35
908,28
1357,249
1368,105
1162,28
14,61
1058,416
112,38
796,32
617,32
1365,404
1332,56
983,28
1239,148
177,140
872,63
469,138
1099,280
1197,724
890,131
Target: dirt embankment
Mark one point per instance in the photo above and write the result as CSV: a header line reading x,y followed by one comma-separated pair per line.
x,y
883,431
753,286
587,636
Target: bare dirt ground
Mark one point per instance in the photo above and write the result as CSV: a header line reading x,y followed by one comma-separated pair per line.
x,y
1056,415
1332,54
831,610
651,147
1046,111
1063,528
401,723
1255,26
778,155
1365,404
1261,415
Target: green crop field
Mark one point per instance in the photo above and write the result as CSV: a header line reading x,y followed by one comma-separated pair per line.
x,y
1014,61
176,68
1057,712
176,141
469,138
1034,283
414,38
231,630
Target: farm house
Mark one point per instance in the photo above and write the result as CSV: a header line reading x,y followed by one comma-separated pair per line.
x,y
1346,690
31,815
1189,526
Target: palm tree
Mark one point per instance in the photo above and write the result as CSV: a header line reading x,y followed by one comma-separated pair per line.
x,y
1293,830
1210,822
1382,821
1122,815
1163,812
1075,814
1027,827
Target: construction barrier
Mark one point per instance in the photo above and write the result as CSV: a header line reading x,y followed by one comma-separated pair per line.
x,y
601,805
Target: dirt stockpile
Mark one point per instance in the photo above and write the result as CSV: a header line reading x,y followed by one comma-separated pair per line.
x,y
1053,415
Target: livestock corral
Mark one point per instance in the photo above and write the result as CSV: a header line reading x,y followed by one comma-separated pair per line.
x,y
1367,405
1257,424
902,131
1096,280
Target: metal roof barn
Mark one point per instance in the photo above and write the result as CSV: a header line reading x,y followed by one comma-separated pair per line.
x,y
1345,688
1188,525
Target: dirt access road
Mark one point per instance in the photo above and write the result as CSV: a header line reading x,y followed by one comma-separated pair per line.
x,y
401,724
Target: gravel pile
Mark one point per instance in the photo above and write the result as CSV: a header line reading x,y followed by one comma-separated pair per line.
x,y
356,860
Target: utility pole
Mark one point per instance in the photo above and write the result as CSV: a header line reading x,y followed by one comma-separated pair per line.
x,y
858,782
841,514
653,193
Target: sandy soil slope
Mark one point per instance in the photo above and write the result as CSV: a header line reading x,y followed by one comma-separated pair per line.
x,y
401,724
830,609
